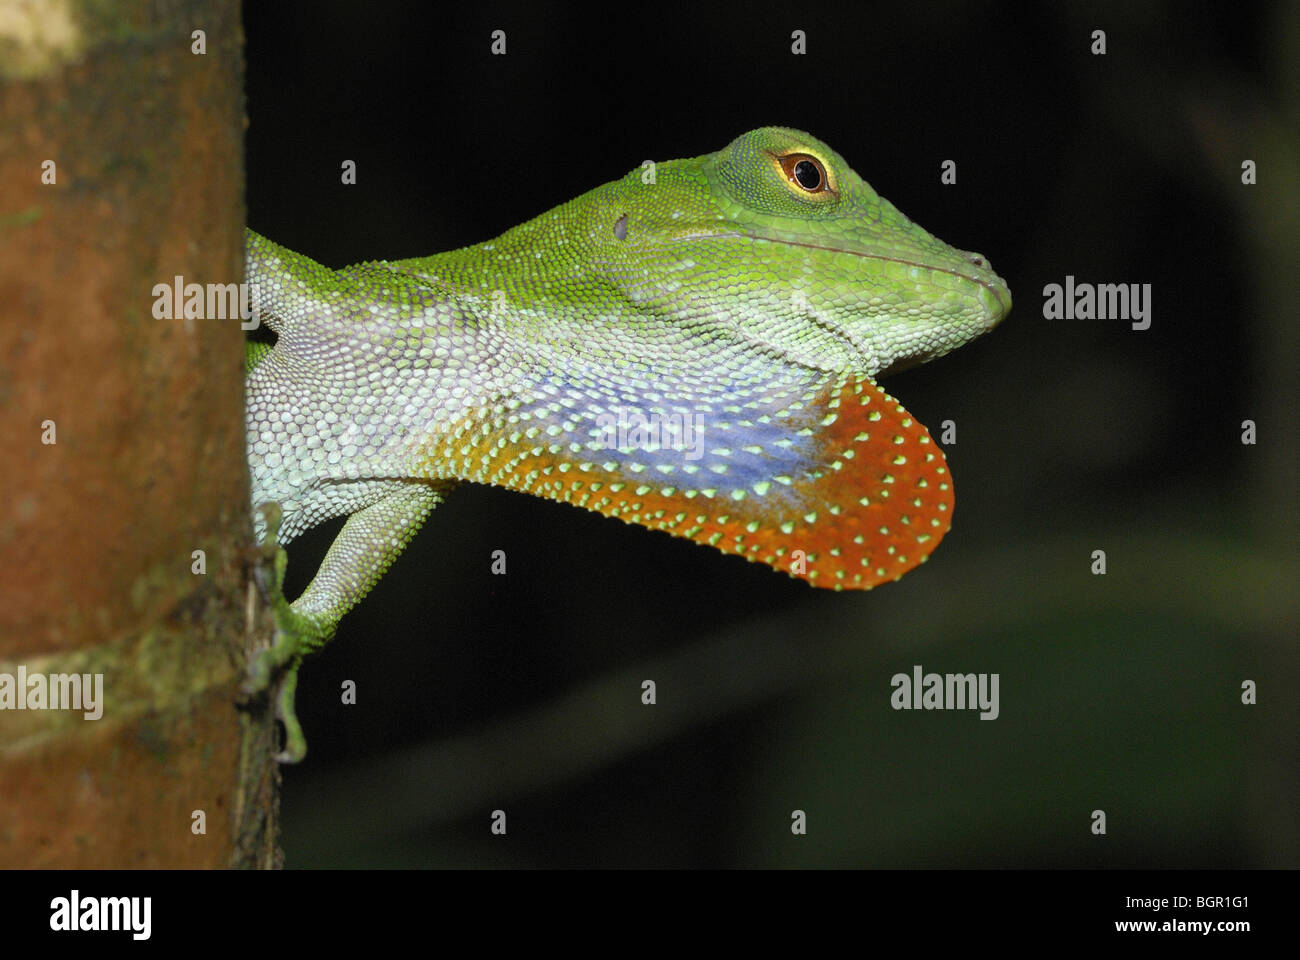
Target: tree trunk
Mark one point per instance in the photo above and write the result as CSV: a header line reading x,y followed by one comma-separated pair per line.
x,y
124,532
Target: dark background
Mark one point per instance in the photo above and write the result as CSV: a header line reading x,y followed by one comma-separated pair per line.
x,y
1120,693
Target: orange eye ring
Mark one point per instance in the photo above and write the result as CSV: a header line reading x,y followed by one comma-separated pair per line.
x,y
805,173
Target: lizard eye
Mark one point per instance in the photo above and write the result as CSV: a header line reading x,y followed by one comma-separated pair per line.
x,y
806,172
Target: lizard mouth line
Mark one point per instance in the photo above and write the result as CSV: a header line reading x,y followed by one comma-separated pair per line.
x,y
992,288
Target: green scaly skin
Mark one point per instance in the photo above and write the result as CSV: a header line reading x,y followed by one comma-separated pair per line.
x,y
756,291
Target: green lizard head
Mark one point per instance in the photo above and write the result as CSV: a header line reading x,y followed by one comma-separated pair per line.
x,y
777,242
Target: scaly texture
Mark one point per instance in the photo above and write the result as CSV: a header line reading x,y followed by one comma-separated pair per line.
x,y
691,350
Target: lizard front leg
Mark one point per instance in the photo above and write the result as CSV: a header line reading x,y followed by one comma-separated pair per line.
x,y
369,542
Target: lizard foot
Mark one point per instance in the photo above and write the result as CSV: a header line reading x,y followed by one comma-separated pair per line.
x,y
294,634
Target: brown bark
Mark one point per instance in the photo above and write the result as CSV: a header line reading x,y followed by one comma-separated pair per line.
x,y
98,529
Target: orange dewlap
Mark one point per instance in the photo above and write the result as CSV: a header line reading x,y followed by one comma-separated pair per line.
x,y
869,499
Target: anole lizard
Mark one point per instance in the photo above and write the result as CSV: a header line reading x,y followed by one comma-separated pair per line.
x,y
752,294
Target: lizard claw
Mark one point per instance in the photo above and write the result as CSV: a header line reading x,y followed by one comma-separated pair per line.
x,y
295,744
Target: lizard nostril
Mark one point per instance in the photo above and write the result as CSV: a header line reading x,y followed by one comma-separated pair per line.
x,y
977,260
